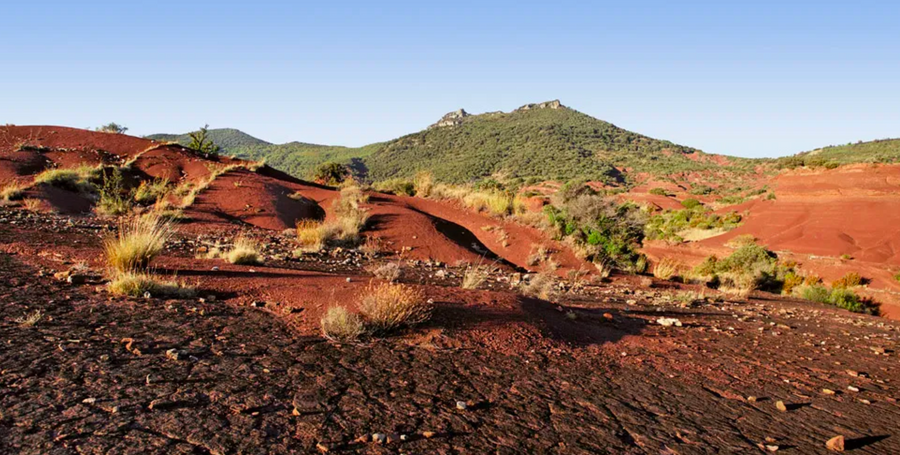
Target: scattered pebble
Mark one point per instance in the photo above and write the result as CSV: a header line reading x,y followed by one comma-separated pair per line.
x,y
461,405
835,444
668,322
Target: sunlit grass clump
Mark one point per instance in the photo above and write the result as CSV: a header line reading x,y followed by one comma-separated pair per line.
x,y
139,284
340,325
75,179
139,240
388,306
245,251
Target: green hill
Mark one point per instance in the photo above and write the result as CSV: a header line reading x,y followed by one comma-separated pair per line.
x,y
878,151
545,141
226,138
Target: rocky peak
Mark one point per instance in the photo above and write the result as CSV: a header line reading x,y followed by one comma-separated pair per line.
x,y
555,104
451,119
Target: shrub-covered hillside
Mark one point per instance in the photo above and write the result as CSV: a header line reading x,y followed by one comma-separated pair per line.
x,y
544,143
878,151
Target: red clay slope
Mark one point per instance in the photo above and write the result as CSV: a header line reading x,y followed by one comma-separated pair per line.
x,y
423,229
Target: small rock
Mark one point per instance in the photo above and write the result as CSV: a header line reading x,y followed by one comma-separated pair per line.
x,y
828,391
780,406
751,399
403,437
835,444
668,322
215,269
393,437
461,405
89,400
379,438
428,434
173,354
322,447
76,279
348,279
852,389
258,304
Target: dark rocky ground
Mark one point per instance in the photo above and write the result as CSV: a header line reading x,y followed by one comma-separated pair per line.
x,y
591,373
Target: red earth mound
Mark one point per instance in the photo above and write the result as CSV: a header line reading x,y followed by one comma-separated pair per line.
x,y
267,198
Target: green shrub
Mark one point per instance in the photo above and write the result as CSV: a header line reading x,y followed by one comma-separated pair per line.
x,y
114,199
330,173
606,229
816,293
669,224
691,204
201,142
658,192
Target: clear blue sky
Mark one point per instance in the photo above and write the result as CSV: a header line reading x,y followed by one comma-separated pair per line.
x,y
760,78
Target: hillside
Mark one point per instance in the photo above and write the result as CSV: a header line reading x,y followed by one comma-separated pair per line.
x,y
545,141
877,151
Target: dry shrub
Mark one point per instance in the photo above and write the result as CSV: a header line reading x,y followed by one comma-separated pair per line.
x,y
137,284
539,254
741,240
539,286
138,241
389,271
850,280
667,268
32,204
388,306
245,251
340,325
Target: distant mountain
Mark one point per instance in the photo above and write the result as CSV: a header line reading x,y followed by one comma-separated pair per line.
x,y
226,138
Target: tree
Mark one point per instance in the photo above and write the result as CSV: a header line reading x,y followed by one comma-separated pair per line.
x,y
201,142
113,127
330,173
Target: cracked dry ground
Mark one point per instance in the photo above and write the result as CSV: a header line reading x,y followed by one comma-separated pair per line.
x,y
540,382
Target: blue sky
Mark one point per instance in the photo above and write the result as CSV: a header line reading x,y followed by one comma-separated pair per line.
x,y
743,78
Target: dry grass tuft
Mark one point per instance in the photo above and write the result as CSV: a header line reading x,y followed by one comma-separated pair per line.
x,y
540,286
245,251
388,306
474,276
75,179
12,191
30,319
340,325
311,235
667,268
138,284
389,271
138,241
32,204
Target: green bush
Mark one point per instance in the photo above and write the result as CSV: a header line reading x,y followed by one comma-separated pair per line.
x,y
606,229
658,192
330,173
691,204
668,224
